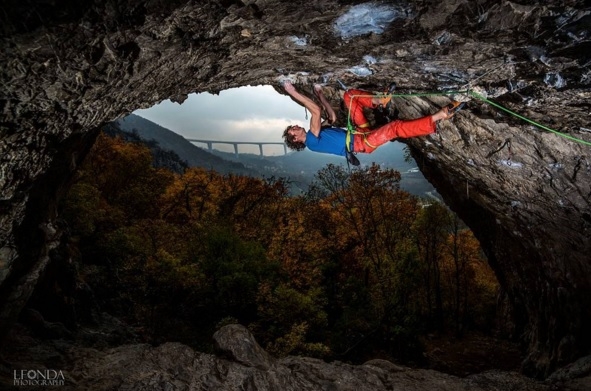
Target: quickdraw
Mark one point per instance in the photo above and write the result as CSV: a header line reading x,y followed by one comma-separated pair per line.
x,y
507,144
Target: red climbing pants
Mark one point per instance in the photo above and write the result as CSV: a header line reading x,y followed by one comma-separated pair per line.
x,y
355,101
368,140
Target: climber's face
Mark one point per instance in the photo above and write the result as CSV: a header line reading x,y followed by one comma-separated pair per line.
x,y
297,133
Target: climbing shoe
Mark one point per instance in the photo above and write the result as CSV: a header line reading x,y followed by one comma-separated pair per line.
x,y
352,159
452,108
386,99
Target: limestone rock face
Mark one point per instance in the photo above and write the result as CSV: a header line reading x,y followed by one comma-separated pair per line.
x,y
68,67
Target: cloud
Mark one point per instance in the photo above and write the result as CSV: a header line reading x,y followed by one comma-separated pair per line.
x,y
259,129
242,114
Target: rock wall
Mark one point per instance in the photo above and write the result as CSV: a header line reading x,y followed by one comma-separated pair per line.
x,y
66,67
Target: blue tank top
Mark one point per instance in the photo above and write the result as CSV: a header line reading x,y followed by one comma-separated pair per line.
x,y
330,140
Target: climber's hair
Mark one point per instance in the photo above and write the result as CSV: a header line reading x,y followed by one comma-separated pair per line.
x,y
289,140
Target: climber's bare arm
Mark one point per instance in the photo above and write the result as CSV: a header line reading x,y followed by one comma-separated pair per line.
x,y
332,117
313,108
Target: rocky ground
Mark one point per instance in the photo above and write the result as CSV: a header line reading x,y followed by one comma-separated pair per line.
x,y
97,359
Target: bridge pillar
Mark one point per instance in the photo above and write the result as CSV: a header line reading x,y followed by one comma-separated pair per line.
x,y
209,146
284,149
236,149
261,149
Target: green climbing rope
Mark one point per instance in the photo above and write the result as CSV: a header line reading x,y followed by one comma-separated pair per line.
x,y
482,98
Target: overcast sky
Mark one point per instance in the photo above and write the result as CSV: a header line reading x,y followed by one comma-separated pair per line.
x,y
239,114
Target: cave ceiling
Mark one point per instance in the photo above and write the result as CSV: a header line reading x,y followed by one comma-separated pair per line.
x,y
69,66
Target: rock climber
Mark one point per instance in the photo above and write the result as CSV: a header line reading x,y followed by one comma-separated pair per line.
x,y
333,140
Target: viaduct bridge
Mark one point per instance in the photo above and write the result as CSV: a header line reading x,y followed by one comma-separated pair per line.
x,y
236,143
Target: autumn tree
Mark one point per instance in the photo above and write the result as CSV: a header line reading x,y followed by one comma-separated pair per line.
x,y
193,197
375,215
292,316
163,250
253,205
451,265
115,185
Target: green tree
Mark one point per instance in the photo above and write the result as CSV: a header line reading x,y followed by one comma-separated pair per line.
x,y
431,230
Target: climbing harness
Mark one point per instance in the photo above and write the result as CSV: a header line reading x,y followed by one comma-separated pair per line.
x,y
352,130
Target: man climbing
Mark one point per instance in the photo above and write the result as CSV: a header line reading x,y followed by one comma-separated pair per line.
x,y
334,140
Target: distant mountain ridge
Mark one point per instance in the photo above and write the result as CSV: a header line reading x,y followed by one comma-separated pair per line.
x,y
168,140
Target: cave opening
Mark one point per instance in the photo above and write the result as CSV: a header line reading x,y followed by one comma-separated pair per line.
x,y
113,207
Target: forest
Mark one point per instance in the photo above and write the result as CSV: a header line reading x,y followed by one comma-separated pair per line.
x,y
353,269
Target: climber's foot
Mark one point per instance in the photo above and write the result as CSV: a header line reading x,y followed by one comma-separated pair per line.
x,y
383,101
